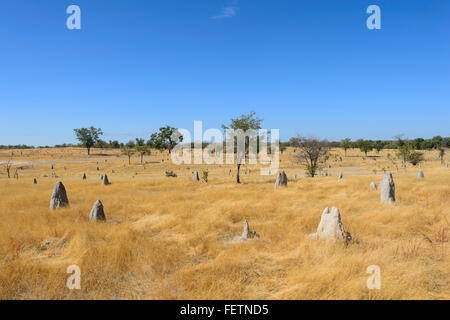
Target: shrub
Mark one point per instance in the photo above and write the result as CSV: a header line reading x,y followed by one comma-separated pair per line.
x,y
171,174
205,176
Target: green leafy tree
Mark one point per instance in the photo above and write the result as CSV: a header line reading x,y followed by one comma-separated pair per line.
x,y
364,145
245,122
404,151
418,144
114,144
346,144
101,144
437,142
140,142
165,139
88,137
379,145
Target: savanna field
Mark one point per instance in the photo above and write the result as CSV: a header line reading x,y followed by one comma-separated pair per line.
x,y
171,238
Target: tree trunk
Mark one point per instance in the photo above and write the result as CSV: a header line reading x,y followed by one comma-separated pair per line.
x,y
89,151
237,174
129,160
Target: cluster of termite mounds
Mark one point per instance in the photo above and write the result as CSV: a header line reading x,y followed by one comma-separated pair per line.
x,y
60,200
330,226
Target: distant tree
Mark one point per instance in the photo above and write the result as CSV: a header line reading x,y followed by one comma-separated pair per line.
x,y
88,137
379,145
404,150
114,144
165,139
245,122
142,151
437,142
129,153
140,142
7,166
364,145
101,144
399,140
418,144
346,144
130,144
415,157
311,152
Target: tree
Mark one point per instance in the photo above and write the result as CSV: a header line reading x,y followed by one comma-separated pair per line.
x,y
404,151
130,144
129,153
438,143
311,151
415,157
8,165
165,139
364,145
140,142
114,144
101,144
379,145
245,122
346,144
142,151
418,144
88,136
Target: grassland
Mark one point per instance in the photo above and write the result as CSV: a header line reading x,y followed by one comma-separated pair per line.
x,y
170,238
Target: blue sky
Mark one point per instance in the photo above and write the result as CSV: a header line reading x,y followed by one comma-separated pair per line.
x,y
309,67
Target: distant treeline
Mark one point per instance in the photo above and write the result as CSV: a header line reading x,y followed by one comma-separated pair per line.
x,y
417,144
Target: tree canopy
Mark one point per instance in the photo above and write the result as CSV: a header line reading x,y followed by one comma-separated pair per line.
x,y
88,136
165,139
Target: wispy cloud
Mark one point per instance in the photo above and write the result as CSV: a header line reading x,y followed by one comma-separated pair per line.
x,y
227,12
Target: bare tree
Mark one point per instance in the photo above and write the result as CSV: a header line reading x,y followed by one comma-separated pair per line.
x,y
8,167
129,153
311,151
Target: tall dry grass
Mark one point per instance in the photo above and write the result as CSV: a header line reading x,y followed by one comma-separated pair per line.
x,y
170,238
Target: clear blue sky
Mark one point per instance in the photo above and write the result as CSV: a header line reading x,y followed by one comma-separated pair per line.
x,y
310,67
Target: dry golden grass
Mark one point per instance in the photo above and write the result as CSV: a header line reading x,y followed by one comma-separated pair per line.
x,y
173,239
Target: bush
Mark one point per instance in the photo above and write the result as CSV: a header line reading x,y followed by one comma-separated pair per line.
x,y
205,176
415,157
171,174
